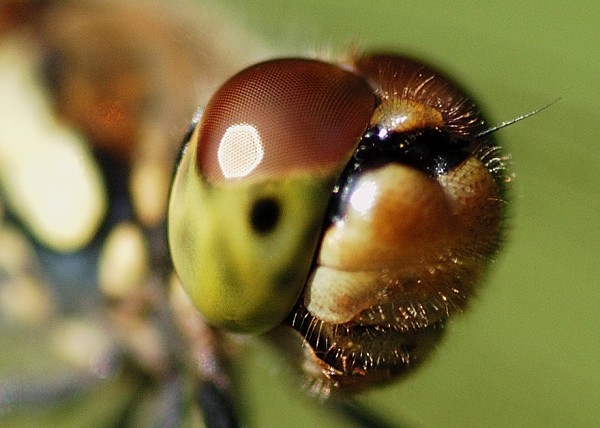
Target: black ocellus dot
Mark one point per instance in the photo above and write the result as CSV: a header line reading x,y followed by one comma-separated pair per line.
x,y
265,214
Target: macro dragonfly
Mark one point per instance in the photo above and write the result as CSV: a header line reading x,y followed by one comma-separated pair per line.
x,y
108,90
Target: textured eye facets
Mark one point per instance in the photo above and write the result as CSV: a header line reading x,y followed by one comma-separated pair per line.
x,y
252,187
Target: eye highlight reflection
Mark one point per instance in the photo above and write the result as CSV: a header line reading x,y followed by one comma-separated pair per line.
x,y
240,151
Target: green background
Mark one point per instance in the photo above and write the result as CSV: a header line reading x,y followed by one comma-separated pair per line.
x,y
528,352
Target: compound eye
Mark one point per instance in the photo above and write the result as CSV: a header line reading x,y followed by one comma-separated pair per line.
x,y
252,187
281,117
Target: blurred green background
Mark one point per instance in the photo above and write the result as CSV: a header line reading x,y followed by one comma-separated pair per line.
x,y
528,352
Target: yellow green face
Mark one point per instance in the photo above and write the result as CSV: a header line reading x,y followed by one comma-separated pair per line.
x,y
253,184
245,257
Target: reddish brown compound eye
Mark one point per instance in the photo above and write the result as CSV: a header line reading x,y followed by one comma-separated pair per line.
x,y
282,116
253,184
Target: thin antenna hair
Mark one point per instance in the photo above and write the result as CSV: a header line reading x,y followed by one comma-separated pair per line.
x,y
513,121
